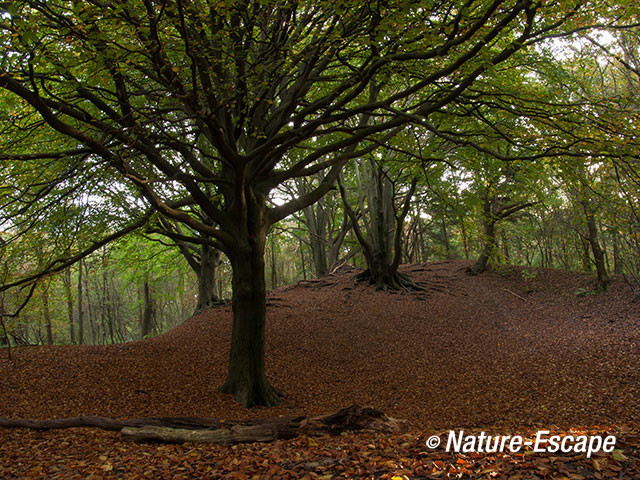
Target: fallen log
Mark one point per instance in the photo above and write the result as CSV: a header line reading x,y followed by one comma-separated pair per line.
x,y
235,434
106,423
186,429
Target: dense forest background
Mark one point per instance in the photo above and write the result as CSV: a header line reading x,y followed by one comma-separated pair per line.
x,y
143,284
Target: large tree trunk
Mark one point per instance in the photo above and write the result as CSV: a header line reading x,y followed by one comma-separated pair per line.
x,y
246,378
210,259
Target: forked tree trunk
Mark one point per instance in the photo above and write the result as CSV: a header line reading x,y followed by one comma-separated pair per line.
x,y
246,377
494,211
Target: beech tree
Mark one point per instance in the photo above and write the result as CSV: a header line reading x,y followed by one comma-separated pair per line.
x,y
215,104
382,221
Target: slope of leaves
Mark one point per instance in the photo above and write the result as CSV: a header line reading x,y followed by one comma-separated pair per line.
x,y
509,350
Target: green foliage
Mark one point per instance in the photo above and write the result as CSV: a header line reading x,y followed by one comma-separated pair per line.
x,y
585,292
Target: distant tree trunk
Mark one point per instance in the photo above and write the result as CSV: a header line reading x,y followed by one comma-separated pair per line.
x,y
203,261
587,265
66,280
505,247
302,261
274,273
90,312
5,335
494,210
80,310
445,235
489,245
316,221
617,260
207,269
598,254
326,232
146,328
105,310
47,314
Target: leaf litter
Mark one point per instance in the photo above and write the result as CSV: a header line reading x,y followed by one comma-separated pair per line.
x,y
502,352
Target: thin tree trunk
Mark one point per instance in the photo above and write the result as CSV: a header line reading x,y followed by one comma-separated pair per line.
x,y
302,261
4,327
617,260
274,275
445,236
596,250
147,313
90,315
47,314
66,280
80,309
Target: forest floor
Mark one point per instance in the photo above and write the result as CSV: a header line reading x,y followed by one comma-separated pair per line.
x,y
511,350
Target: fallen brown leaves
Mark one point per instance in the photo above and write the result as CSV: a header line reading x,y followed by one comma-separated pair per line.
x,y
94,454
466,353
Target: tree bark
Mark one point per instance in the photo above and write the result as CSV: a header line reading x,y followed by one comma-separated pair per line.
x,y
246,377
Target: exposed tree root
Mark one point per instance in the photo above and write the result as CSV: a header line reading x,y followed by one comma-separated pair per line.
x,y
213,303
397,281
184,429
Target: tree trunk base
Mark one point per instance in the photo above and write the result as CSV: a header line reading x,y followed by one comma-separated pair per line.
x,y
395,281
253,394
480,266
213,303
184,429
